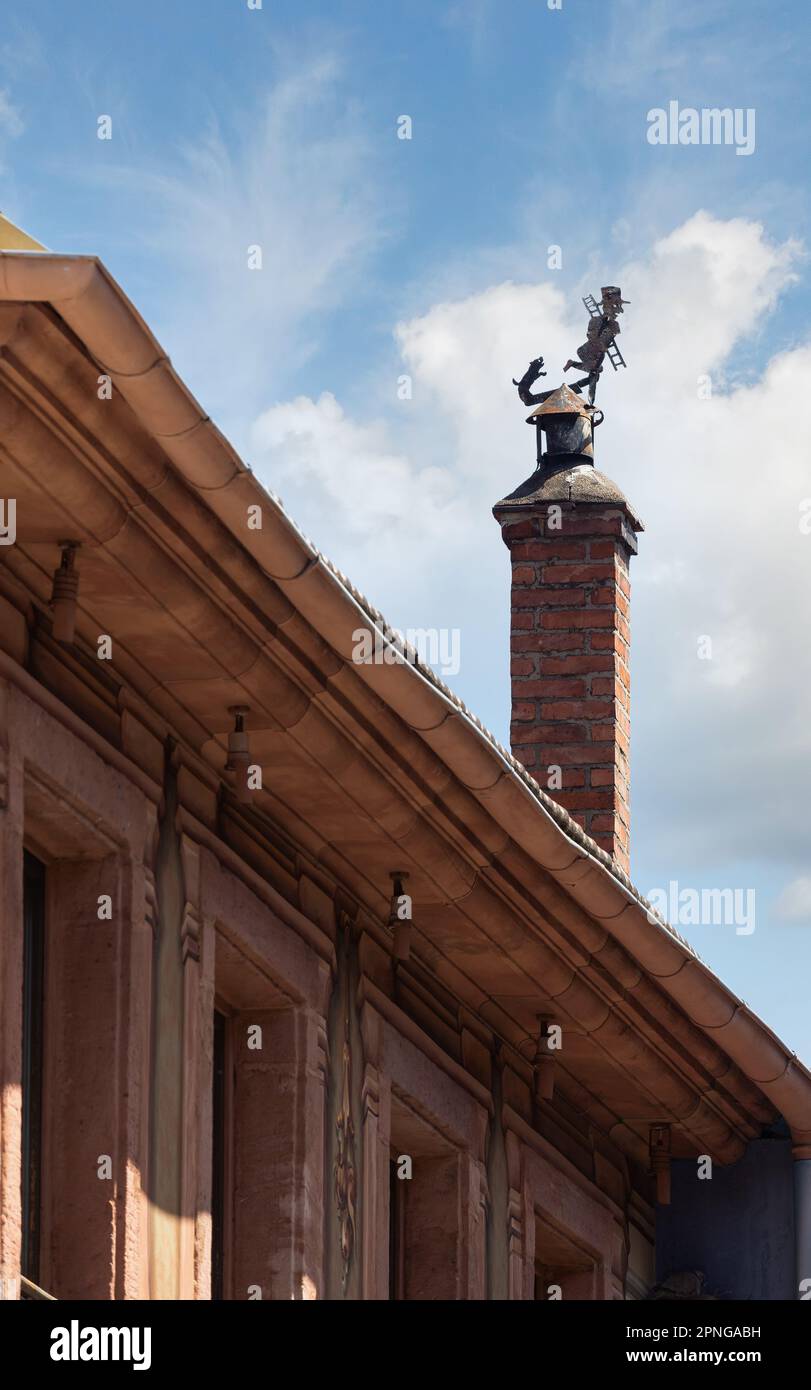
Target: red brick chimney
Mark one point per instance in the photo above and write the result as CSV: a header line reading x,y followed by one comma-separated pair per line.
x,y
571,534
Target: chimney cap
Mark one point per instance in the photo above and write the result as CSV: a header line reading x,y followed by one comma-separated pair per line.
x,y
564,401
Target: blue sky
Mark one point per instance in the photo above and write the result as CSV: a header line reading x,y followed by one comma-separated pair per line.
x,y
277,127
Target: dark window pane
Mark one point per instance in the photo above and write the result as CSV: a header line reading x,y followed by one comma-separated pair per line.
x,y
396,1213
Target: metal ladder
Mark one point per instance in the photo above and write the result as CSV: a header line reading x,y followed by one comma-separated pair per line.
x,y
613,353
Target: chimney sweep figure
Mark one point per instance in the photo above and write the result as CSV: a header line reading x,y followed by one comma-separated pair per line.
x,y
603,330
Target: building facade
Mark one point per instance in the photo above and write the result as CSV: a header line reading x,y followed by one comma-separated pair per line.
x,y
308,989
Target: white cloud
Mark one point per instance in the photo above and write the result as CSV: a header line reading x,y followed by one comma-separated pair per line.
x,y
365,487
11,121
674,46
794,903
289,174
718,481
11,124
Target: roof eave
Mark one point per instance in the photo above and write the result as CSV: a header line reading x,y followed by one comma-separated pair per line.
x,y
94,307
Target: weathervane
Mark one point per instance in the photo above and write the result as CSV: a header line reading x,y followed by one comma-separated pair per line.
x,y
600,343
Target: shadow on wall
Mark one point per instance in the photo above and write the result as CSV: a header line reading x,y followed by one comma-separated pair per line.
x,y
736,1227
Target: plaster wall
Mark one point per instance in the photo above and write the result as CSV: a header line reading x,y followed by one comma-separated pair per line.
x,y
736,1227
121,1084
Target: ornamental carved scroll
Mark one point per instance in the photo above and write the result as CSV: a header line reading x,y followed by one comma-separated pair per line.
x,y
345,1162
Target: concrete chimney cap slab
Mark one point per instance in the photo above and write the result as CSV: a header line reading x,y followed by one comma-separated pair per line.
x,y
568,482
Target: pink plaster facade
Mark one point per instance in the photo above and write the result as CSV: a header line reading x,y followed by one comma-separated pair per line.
x,y
230,1048
93,820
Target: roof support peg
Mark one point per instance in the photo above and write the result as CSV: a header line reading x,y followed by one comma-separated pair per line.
x,y
660,1143
65,593
400,915
239,753
543,1063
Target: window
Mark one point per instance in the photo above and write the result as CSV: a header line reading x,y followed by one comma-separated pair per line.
x,y
561,1265
33,993
425,1202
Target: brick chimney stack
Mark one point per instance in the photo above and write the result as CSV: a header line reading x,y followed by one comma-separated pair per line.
x,y
571,533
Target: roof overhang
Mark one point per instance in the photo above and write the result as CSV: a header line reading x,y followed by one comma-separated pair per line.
x,y
370,767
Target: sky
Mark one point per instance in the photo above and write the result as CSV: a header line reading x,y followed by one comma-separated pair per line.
x,y
350,307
